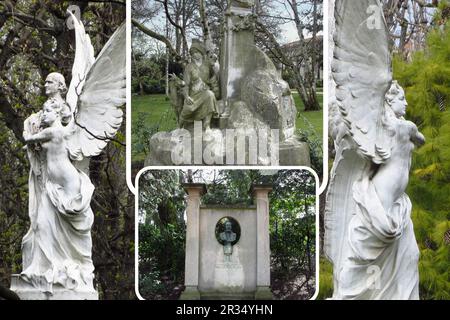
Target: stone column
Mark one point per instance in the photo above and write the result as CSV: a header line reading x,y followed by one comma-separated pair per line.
x,y
236,54
261,196
194,191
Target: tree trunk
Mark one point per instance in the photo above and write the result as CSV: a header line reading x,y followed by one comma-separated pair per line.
x,y
305,81
205,26
167,59
314,47
138,76
307,94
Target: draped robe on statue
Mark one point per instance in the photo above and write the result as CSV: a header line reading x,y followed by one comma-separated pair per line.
x,y
57,247
204,99
383,256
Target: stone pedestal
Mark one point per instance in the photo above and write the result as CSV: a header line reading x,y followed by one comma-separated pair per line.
x,y
294,153
27,292
263,293
190,293
180,146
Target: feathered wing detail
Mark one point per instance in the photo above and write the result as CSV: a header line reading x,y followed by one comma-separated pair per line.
x,y
84,59
98,114
361,69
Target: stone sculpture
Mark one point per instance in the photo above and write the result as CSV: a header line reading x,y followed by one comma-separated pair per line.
x,y
240,92
200,83
227,238
369,235
56,251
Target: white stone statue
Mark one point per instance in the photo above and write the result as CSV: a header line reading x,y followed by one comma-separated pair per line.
x,y
57,248
369,235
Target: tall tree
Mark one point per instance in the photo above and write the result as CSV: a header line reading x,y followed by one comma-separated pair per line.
x,y
301,61
409,21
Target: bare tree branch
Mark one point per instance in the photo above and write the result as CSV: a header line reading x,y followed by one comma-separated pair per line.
x,y
159,37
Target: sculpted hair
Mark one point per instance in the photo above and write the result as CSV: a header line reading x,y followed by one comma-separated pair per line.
x,y
393,91
62,108
388,114
61,81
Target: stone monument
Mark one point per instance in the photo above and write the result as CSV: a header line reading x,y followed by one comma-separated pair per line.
x,y
239,96
57,250
227,248
369,236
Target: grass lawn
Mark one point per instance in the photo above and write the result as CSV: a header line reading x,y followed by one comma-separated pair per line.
x,y
315,118
156,114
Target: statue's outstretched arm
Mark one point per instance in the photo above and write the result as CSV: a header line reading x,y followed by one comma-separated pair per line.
x,y
44,135
416,136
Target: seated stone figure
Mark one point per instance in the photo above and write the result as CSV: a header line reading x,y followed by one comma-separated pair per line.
x,y
200,102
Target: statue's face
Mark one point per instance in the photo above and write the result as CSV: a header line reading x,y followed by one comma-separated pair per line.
x,y
399,104
213,57
51,85
228,226
49,115
197,56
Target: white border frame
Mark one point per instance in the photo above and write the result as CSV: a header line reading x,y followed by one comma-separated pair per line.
x,y
136,213
319,190
128,98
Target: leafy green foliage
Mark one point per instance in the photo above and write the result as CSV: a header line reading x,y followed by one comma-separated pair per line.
x,y
292,234
325,280
150,114
161,234
161,252
232,187
310,129
426,80
147,75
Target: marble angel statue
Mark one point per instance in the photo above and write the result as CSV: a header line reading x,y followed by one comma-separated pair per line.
x,y
369,236
57,248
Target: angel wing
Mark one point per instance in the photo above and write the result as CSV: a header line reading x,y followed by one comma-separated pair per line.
x,y
84,59
361,69
98,116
